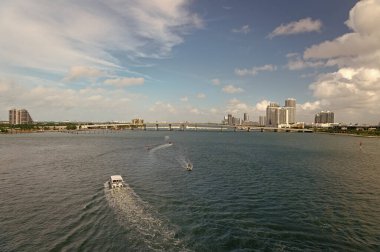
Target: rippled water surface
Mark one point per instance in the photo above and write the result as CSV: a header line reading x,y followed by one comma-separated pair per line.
x,y
247,191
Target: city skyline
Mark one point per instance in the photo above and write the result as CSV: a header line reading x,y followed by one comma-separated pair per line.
x,y
190,60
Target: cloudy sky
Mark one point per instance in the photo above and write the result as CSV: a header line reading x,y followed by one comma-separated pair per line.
x,y
177,60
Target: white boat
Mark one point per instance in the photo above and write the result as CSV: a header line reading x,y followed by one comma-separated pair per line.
x,y
116,181
189,166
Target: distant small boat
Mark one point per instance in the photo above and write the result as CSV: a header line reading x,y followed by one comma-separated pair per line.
x,y
116,181
189,166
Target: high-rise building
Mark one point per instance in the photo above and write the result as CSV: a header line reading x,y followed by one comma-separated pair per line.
x,y
324,117
245,118
19,116
290,105
229,120
283,115
273,115
262,120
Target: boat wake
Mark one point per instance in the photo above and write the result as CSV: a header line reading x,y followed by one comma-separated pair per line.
x,y
161,146
184,162
136,216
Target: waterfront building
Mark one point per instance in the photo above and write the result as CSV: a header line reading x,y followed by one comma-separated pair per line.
x,y
290,105
229,119
236,121
277,116
324,117
19,116
245,117
273,115
283,116
262,120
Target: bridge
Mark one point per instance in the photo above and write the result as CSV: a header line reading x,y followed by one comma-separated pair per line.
x,y
187,127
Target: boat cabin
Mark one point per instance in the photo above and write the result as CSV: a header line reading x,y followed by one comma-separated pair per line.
x,y
116,181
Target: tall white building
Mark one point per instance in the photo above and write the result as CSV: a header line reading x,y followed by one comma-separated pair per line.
x,y
277,116
273,115
290,105
19,116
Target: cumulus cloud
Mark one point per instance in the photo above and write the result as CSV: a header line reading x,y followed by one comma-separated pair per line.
x,y
214,110
298,64
245,29
67,100
254,70
313,106
195,111
78,72
231,89
215,82
353,91
262,105
184,99
124,82
296,27
201,96
237,107
163,107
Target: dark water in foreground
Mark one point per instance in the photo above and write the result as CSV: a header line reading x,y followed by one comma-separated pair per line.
x,y
248,191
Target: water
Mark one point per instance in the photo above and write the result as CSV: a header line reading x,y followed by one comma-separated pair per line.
x,y
247,191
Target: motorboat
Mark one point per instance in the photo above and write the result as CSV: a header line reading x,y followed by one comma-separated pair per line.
x,y
189,166
116,181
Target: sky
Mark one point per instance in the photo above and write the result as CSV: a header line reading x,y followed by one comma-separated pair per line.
x,y
197,60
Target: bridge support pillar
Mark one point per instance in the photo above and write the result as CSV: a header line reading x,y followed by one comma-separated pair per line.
x,y
170,127
156,126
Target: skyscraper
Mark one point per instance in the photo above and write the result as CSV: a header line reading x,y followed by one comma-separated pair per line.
x,y
290,105
324,117
229,120
19,116
246,118
273,115
262,120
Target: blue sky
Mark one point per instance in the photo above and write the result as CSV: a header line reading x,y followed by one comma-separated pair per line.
x,y
180,60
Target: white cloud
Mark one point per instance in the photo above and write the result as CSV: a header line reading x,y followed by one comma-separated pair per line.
x,y
245,29
298,64
162,107
237,107
215,82
296,27
214,110
194,111
78,72
124,82
262,105
184,99
231,89
58,36
353,91
67,100
254,70
313,106
201,96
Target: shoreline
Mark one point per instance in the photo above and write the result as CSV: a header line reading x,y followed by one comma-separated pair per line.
x,y
347,134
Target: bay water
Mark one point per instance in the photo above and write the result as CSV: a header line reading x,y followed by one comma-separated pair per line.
x,y
248,191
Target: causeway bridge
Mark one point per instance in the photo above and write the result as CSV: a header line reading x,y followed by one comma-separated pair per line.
x,y
187,127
